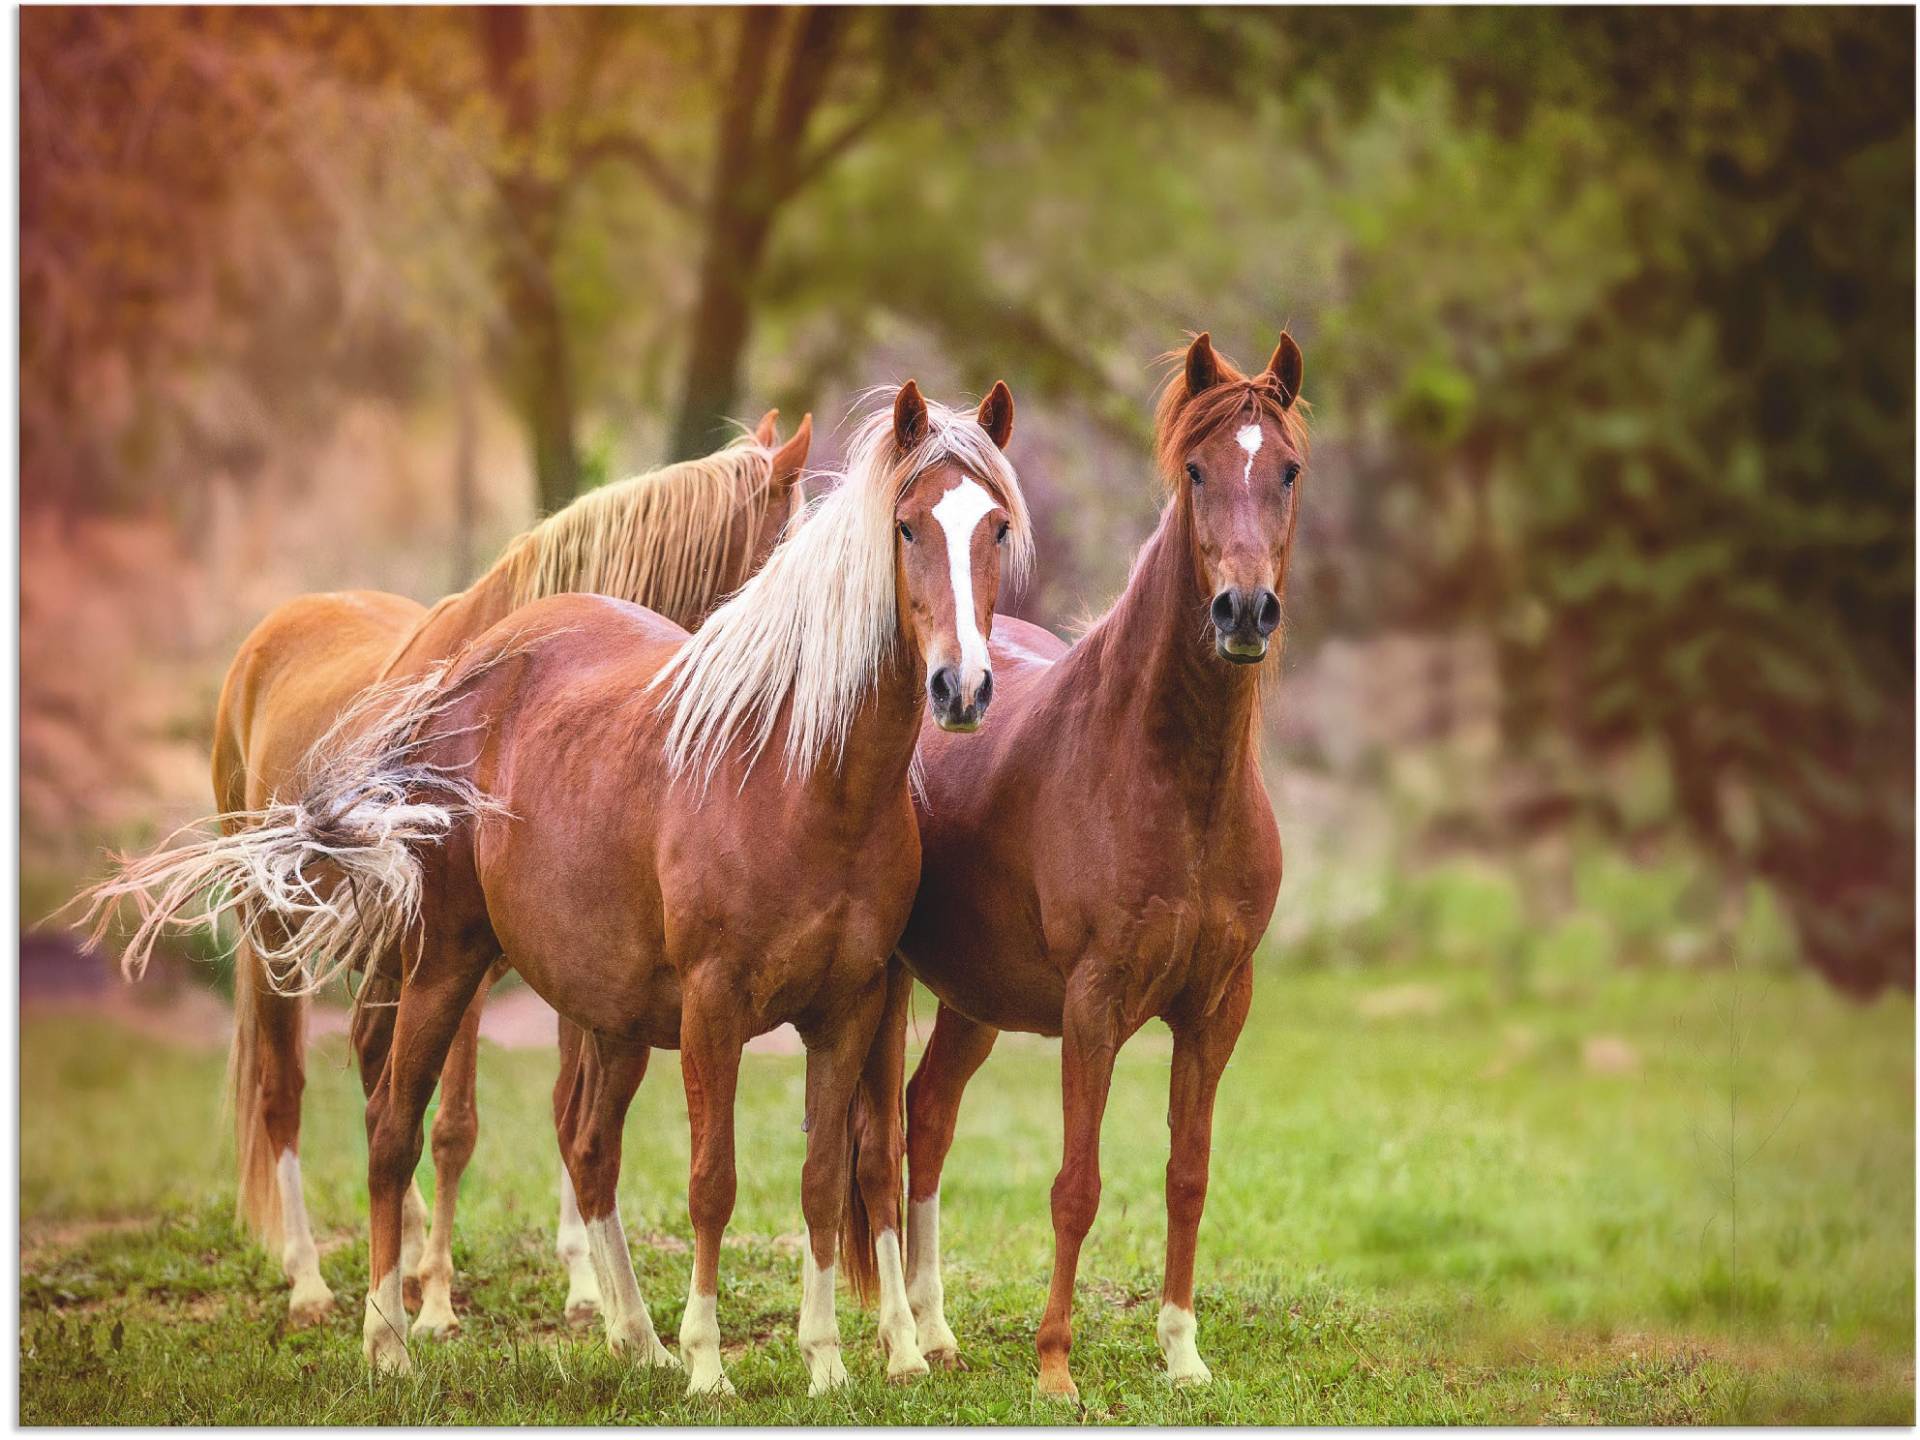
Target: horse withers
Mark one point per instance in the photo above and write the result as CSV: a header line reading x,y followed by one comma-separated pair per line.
x,y
1107,855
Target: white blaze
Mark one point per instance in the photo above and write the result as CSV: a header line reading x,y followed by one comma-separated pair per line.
x,y
959,511
1250,439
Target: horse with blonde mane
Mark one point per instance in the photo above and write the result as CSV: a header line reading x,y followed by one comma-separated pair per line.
x,y
677,539
679,842
1107,855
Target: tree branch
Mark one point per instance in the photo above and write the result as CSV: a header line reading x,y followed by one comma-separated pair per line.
x,y
637,152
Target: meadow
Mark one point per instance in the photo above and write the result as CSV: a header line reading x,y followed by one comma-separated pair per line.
x,y
1643,1196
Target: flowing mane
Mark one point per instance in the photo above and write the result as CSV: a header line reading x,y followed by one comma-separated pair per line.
x,y
1180,420
819,620
661,539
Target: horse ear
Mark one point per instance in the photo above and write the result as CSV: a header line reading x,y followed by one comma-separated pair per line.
x,y
1287,366
1203,369
791,458
764,433
996,414
909,416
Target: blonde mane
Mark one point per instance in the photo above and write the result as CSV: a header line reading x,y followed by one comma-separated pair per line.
x,y
818,622
662,539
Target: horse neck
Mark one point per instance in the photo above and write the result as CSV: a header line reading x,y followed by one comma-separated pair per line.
x,y
1159,685
881,740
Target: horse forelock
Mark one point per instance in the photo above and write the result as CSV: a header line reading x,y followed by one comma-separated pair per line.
x,y
1182,421
818,621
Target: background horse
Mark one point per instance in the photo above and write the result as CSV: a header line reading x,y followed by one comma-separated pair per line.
x,y
680,842
677,539
1106,855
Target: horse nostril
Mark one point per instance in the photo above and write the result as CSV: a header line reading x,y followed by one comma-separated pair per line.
x,y
1223,610
1268,618
983,696
942,687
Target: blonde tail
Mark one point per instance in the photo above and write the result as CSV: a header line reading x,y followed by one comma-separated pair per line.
x,y
323,884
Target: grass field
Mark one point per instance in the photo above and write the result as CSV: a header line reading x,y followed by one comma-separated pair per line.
x,y
1433,1200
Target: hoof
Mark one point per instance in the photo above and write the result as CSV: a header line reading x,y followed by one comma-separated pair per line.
x,y
303,1311
946,1360
715,1387
1057,1387
388,1355
828,1375
906,1374
583,1312
443,1326
1191,1378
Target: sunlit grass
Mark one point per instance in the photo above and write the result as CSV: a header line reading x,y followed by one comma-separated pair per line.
x,y
1432,1200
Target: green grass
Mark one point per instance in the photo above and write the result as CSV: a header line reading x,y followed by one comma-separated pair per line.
x,y
1433,1200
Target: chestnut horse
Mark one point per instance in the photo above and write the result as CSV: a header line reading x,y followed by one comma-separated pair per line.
x,y
678,842
677,539
1107,855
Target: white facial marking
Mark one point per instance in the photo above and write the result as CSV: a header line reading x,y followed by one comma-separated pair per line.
x,y
960,510
1250,439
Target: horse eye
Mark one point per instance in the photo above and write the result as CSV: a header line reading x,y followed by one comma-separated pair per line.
x,y
1000,535
906,532
1292,474
1193,473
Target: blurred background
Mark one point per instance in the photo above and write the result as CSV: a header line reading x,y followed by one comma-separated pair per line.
x,y
1601,638
1580,1079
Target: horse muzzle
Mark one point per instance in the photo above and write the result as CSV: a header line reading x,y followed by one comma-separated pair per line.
x,y
957,706
1243,617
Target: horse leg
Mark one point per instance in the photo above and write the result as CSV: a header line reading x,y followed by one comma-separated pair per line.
x,y
1200,1052
835,1056
591,1132
371,1034
1089,1039
268,1078
710,1046
879,1151
456,1125
432,1004
583,1287
957,1048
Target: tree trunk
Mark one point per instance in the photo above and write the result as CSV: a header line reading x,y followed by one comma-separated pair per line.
x,y
722,325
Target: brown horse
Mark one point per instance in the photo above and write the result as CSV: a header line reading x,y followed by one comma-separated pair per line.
x,y
1107,855
677,539
682,842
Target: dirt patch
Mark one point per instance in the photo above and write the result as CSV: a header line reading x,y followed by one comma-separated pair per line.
x,y
41,1241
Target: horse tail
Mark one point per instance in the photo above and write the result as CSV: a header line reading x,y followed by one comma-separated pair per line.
x,y
875,1127
319,885
259,1181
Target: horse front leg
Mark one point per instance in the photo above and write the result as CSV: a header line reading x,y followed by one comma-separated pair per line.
x,y
836,1054
1090,1038
1200,1052
710,1046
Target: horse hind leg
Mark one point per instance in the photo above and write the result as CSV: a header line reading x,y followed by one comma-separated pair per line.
x,y
583,1286
267,1079
956,1050
455,1128
372,1038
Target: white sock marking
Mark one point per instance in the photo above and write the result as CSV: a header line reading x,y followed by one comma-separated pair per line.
x,y
925,1293
700,1345
960,510
629,1327
383,1332
297,1255
1250,439
1176,1332
819,1331
898,1334
583,1289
